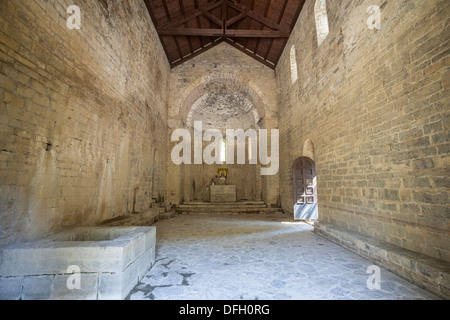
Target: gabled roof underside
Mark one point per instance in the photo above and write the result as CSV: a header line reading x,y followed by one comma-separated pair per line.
x,y
259,28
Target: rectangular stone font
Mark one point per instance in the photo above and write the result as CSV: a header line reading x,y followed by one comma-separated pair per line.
x,y
105,262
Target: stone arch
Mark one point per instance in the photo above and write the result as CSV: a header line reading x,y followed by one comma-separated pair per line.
x,y
308,150
252,100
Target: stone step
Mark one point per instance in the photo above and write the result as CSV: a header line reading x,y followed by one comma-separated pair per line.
x,y
221,206
213,204
227,210
240,207
168,214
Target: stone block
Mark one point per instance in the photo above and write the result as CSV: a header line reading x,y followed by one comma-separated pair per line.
x,y
88,287
145,262
11,288
56,260
111,260
130,278
221,193
110,286
37,288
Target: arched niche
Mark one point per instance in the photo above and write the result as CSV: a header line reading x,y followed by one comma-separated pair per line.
x,y
308,149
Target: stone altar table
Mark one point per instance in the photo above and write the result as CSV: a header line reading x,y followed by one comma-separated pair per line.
x,y
223,193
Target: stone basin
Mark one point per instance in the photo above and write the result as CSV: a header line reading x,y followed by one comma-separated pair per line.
x,y
110,262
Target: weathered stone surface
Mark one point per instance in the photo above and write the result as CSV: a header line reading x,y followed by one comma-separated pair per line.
x,y
109,261
11,288
225,89
83,120
110,286
223,193
373,102
88,287
86,118
37,288
427,272
267,257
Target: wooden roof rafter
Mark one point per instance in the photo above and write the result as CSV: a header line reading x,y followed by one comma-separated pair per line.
x,y
188,28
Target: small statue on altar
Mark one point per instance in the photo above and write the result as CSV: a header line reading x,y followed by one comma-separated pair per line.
x,y
223,176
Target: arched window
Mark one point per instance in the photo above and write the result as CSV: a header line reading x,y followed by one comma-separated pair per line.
x,y
250,154
223,151
293,60
252,150
320,12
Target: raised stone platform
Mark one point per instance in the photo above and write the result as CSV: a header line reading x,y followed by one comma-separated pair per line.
x,y
110,260
426,272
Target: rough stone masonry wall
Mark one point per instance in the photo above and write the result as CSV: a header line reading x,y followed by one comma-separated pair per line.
x,y
227,70
375,104
81,113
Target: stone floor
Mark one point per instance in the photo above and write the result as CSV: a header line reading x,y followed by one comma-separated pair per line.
x,y
258,257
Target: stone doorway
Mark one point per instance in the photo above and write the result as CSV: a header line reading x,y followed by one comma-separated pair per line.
x,y
305,189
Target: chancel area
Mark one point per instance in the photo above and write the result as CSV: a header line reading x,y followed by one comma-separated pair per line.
x,y
224,149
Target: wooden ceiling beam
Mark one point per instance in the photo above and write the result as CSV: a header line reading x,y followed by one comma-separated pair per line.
x,y
257,16
297,14
191,32
213,18
280,18
250,54
181,4
256,33
198,23
224,15
175,25
269,47
178,47
189,15
224,10
232,33
237,18
266,12
196,53
166,10
283,10
252,7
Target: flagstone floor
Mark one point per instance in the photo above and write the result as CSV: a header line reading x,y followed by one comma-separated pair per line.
x,y
258,257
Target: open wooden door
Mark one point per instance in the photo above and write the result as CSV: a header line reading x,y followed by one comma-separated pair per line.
x,y
305,189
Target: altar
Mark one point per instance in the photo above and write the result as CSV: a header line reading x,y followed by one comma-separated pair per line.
x,y
220,190
223,193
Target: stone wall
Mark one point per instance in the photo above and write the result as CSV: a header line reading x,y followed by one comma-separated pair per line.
x,y
81,115
206,82
375,105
